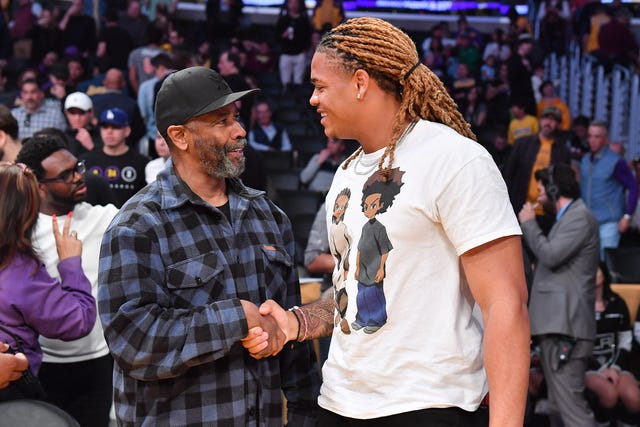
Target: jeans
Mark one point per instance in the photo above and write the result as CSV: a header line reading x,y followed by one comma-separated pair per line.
x,y
609,236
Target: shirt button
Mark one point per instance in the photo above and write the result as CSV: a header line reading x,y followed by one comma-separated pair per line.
x,y
198,281
252,412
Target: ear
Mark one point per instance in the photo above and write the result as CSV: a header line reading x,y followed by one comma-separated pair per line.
x,y
42,191
128,132
179,136
362,80
3,139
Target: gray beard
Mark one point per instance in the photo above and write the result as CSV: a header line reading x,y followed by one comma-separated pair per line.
x,y
218,165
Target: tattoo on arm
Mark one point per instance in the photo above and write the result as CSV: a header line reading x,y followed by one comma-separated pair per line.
x,y
319,315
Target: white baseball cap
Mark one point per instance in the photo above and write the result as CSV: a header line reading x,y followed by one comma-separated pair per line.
x,y
78,100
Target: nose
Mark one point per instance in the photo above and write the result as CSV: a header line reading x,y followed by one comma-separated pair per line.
x,y
313,100
240,131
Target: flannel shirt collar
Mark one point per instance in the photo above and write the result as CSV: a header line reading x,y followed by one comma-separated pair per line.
x,y
174,192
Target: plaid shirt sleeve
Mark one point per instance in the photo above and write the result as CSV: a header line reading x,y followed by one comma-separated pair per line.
x,y
148,338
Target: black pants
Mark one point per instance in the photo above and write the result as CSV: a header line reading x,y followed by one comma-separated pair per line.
x,y
83,389
435,417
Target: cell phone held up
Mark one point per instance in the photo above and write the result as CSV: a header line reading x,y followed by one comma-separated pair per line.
x,y
563,350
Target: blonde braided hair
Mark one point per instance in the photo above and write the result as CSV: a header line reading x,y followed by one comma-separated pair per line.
x,y
390,57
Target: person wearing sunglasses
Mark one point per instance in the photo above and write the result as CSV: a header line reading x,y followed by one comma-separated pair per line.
x,y
32,302
75,374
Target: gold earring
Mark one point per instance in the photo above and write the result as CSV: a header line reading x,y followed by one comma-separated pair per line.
x,y
358,95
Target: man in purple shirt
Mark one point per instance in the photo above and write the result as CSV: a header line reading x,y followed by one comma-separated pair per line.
x,y
605,177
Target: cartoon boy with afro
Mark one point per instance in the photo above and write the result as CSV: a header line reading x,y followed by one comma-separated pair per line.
x,y
373,249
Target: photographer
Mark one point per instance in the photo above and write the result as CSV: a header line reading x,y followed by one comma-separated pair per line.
x,y
561,306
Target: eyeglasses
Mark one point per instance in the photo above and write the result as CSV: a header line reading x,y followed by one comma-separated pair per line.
x,y
68,175
27,120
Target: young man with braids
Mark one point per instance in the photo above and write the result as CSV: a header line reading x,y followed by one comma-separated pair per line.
x,y
452,240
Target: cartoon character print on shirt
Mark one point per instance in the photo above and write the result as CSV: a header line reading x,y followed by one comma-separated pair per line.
x,y
373,249
340,245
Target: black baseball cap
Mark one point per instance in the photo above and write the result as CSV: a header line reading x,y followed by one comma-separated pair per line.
x,y
190,93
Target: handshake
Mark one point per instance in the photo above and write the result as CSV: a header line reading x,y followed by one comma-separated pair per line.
x,y
270,328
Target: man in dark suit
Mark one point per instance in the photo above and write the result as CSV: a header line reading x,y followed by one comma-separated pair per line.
x,y
562,301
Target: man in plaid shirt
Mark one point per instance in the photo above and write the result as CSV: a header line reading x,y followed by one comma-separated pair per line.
x,y
183,268
37,112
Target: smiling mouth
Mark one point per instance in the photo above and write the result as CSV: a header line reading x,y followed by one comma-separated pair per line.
x,y
236,148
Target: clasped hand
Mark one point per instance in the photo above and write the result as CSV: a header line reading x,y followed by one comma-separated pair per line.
x,y
11,365
268,337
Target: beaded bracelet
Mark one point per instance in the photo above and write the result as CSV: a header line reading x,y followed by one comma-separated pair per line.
x,y
294,309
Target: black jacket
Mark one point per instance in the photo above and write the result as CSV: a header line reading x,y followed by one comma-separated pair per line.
x,y
523,155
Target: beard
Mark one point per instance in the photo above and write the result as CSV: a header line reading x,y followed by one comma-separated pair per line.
x,y
216,161
67,200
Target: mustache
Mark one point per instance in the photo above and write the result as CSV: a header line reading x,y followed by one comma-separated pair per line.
x,y
239,145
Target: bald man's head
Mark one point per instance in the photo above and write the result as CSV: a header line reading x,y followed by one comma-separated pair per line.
x,y
114,79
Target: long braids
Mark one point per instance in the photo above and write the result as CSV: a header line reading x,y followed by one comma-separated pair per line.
x,y
391,59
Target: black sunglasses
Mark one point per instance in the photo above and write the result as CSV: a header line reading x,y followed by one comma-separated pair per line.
x,y
68,175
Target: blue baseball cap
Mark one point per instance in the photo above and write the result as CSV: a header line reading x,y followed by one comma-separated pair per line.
x,y
114,116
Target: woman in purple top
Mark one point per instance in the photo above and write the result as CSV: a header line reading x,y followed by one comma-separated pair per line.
x,y
32,303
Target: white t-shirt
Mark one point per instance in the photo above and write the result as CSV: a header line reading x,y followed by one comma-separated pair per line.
x,y
90,222
153,168
427,351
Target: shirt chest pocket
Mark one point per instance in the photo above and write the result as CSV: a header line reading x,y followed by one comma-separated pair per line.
x,y
277,270
196,281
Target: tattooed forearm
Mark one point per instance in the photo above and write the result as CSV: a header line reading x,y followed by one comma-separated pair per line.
x,y
318,317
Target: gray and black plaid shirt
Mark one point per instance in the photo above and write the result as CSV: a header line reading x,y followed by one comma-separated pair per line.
x,y
172,273
49,115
